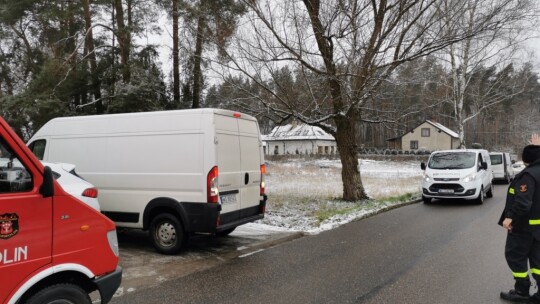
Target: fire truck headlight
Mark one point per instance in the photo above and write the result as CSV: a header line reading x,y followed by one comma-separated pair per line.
x,y
113,242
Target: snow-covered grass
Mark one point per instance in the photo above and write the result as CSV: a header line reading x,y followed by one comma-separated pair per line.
x,y
305,195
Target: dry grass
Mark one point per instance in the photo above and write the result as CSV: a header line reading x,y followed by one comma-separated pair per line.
x,y
308,181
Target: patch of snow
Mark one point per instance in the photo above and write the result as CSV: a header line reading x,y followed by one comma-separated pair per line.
x,y
310,178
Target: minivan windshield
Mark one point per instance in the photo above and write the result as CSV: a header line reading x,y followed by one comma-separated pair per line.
x,y
452,160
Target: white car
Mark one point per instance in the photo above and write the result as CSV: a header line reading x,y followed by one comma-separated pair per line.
x,y
518,166
66,176
457,174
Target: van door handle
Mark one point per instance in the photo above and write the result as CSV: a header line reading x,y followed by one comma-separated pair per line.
x,y
246,178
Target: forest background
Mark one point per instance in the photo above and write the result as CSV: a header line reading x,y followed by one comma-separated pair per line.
x,y
365,71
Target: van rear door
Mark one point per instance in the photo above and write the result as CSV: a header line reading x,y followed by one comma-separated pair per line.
x,y
228,161
239,160
250,160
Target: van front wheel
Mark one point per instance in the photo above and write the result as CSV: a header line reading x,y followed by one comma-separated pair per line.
x,y
490,191
480,199
61,293
167,233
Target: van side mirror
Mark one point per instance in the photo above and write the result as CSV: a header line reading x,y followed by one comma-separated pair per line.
x,y
513,161
423,166
47,188
483,166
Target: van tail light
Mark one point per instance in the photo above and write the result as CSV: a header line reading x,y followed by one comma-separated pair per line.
x,y
212,191
263,172
90,192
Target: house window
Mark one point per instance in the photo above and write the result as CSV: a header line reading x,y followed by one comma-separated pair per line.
x,y
425,132
414,144
319,149
332,150
326,151
276,150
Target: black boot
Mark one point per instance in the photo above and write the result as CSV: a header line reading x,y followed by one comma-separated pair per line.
x,y
515,296
535,299
520,293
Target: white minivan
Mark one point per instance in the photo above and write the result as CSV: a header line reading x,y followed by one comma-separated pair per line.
x,y
457,174
502,166
173,173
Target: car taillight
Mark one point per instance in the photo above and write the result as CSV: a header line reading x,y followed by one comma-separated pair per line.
x,y
90,192
212,192
263,172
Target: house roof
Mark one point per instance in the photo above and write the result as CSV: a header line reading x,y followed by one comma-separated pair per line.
x,y
443,128
435,124
297,132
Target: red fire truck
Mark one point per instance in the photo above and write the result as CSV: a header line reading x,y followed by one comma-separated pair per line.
x,y
53,247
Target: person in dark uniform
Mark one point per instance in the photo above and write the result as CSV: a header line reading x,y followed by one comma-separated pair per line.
x,y
521,218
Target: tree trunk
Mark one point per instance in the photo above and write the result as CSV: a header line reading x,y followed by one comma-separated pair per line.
x,y
197,73
122,36
353,189
176,54
89,44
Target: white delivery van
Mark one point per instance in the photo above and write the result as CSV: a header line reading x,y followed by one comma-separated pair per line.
x,y
170,172
457,174
502,166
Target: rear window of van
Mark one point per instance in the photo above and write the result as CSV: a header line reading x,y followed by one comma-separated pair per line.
x,y
496,159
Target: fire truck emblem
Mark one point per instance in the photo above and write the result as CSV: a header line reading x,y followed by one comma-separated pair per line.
x,y
9,225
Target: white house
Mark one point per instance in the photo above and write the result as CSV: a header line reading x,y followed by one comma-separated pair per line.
x,y
297,138
428,135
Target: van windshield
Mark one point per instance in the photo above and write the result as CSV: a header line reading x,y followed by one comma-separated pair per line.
x,y
452,160
496,159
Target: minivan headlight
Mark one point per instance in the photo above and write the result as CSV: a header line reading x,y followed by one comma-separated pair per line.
x,y
427,178
469,178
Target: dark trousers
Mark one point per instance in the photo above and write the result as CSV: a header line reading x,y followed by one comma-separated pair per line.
x,y
523,247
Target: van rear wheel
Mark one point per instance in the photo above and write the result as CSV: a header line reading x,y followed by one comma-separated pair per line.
x,y
167,233
61,293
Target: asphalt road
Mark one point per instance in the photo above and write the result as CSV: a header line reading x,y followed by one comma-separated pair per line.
x,y
446,252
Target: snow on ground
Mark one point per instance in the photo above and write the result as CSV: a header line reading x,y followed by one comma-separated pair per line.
x,y
304,195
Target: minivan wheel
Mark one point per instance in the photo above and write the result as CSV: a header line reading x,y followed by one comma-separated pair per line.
x,y
426,200
480,199
167,233
490,191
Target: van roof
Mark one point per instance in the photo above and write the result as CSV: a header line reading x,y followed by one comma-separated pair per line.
x,y
460,150
159,113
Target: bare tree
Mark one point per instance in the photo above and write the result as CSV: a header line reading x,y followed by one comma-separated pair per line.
x,y
344,50
497,47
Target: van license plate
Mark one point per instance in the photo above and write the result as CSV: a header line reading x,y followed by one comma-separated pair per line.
x,y
228,199
446,190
